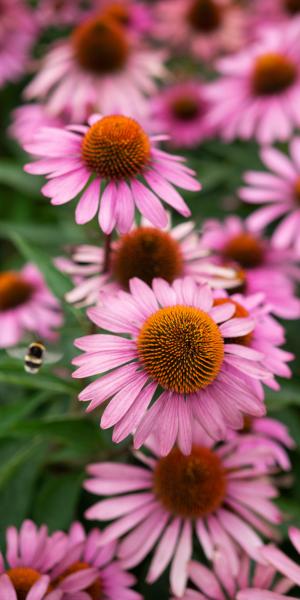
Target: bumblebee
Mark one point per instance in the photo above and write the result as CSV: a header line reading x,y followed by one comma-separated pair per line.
x,y
34,356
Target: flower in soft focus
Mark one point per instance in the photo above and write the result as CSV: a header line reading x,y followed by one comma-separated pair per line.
x,y
26,587
89,571
144,252
176,354
283,564
257,265
59,13
26,305
224,583
17,36
206,27
280,191
100,67
30,556
134,16
180,110
115,152
221,492
266,337
272,434
28,119
257,93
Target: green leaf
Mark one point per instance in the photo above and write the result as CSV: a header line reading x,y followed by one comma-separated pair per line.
x,y
12,175
56,501
38,382
288,395
10,414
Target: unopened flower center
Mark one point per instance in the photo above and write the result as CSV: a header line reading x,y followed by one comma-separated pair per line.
x,y
100,46
292,6
23,578
119,12
240,313
185,108
181,348
205,15
273,73
191,486
116,147
244,249
297,191
147,253
14,290
95,590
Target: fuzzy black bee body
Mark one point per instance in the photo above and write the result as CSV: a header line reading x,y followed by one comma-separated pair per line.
x,y
34,358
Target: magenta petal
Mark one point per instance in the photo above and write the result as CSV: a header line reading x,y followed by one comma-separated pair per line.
x,y
87,206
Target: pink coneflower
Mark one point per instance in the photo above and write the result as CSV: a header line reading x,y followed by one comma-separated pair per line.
x,y
27,120
283,564
258,91
266,337
272,434
207,27
26,305
144,252
223,583
177,353
89,570
17,35
114,152
180,110
98,68
280,191
30,556
220,492
257,265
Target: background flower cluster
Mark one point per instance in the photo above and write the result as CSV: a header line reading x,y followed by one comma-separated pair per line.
x,y
149,241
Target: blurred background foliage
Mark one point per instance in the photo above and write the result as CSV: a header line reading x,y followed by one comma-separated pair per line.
x,y
46,439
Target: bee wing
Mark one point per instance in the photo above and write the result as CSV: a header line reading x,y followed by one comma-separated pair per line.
x,y
19,353
52,357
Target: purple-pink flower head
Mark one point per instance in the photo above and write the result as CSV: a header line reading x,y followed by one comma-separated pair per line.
x,y
258,266
280,191
115,163
17,35
258,91
26,304
101,67
221,492
168,347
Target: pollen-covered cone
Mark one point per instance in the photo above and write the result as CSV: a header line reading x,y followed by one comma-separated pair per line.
x,y
166,360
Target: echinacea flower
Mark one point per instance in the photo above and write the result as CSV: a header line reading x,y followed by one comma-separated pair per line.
x,y
275,11
144,252
257,92
280,191
219,492
283,564
98,68
17,36
115,153
38,590
223,583
257,264
28,119
180,110
26,305
207,27
30,556
89,569
178,356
